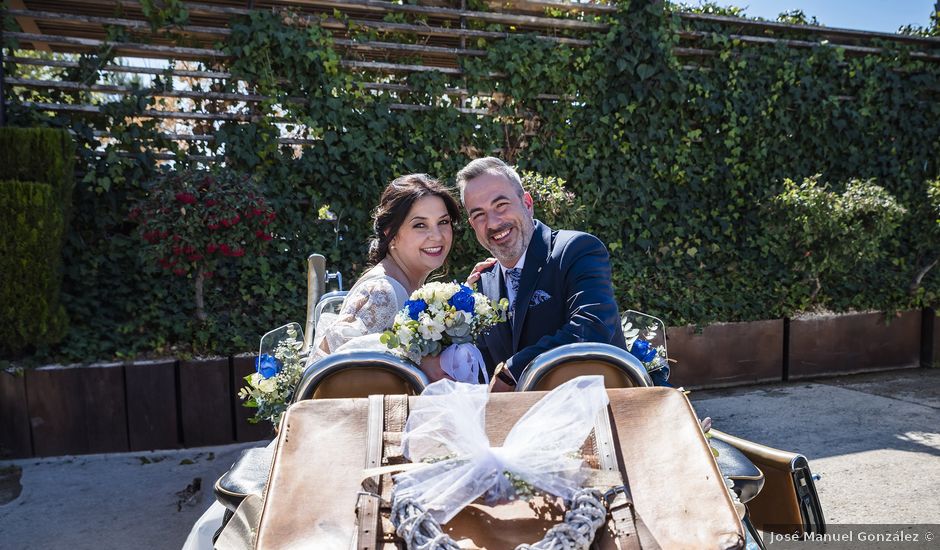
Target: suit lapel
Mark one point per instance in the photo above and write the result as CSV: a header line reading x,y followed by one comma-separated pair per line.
x,y
536,257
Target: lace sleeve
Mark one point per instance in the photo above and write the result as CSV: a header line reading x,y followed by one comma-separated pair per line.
x,y
369,309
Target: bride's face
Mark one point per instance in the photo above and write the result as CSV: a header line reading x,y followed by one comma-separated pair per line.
x,y
424,239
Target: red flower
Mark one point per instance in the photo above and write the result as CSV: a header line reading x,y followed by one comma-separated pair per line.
x,y
225,249
186,198
210,274
164,234
237,253
235,219
226,223
179,271
176,238
213,227
211,202
211,248
195,257
152,237
263,235
177,250
188,249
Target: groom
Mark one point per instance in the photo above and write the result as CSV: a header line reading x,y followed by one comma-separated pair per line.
x,y
557,282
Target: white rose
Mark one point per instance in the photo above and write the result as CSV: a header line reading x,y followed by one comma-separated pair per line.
x,y
268,385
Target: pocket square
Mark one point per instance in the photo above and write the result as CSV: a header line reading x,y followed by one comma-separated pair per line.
x,y
538,297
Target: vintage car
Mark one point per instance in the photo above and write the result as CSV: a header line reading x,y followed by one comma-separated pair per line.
x,y
772,489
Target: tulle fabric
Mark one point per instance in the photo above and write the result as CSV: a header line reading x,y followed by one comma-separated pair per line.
x,y
543,448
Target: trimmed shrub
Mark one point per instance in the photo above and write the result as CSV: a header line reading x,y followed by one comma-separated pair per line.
x,y
30,260
44,155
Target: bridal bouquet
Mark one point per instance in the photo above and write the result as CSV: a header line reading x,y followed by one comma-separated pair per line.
x,y
445,318
271,387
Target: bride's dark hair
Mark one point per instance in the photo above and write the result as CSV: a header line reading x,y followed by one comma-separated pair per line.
x,y
396,202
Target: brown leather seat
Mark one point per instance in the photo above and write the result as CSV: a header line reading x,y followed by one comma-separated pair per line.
x,y
359,374
557,366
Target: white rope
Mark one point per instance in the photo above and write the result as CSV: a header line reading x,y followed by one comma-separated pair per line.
x,y
586,514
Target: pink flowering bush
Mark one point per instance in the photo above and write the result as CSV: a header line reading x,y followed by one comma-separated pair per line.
x,y
191,220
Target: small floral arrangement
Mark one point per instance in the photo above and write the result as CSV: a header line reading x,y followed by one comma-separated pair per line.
x,y
438,315
271,387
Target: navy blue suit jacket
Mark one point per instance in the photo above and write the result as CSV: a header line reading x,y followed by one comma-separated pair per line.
x,y
568,273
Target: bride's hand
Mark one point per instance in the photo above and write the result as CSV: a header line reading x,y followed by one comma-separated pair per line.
x,y
431,366
477,269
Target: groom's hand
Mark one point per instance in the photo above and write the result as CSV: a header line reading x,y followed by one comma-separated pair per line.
x,y
431,366
477,269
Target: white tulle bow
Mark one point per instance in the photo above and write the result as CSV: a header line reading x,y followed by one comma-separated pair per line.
x,y
543,448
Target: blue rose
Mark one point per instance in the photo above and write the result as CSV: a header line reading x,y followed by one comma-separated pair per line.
x,y
267,365
643,351
415,307
463,299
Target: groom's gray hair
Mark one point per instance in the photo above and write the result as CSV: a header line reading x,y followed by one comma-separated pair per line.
x,y
487,166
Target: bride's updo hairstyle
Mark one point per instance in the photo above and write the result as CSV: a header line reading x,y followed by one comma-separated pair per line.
x,y
396,202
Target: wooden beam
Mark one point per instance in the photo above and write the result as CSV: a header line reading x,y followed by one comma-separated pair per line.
x,y
116,21
147,113
811,29
28,25
122,68
127,90
748,39
456,14
175,51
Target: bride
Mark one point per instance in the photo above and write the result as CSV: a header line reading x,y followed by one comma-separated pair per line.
x,y
413,234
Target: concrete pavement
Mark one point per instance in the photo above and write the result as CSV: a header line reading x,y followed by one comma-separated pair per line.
x,y
874,439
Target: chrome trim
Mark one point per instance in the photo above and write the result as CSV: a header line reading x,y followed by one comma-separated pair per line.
x,y
316,286
318,371
580,351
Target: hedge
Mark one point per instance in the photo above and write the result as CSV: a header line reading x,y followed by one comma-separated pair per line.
x,y
677,168
44,155
31,313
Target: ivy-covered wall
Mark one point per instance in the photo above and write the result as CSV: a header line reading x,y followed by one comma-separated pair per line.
x,y
675,167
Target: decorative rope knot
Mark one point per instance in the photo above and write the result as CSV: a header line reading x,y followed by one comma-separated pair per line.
x,y
585,514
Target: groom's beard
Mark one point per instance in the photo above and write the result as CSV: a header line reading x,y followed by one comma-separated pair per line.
x,y
509,252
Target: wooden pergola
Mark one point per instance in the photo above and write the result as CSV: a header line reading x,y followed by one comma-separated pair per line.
x,y
441,32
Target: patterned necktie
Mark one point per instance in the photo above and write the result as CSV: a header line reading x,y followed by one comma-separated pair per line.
x,y
512,282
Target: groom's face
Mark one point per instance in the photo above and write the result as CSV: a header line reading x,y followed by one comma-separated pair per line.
x,y
499,216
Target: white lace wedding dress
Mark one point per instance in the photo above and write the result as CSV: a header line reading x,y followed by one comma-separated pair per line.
x,y
368,310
